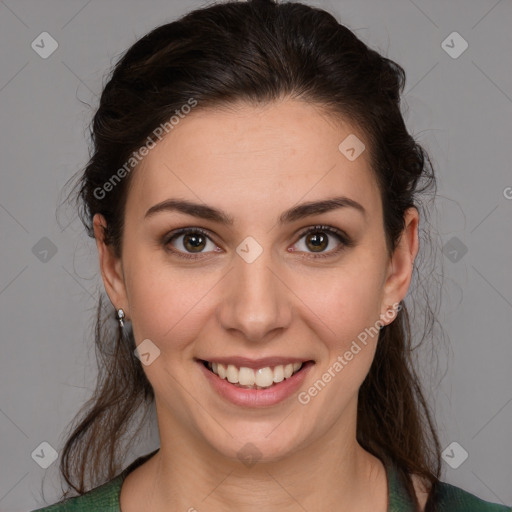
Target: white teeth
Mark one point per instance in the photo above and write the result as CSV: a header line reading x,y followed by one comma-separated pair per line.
x,y
221,371
246,377
232,374
264,377
260,378
279,373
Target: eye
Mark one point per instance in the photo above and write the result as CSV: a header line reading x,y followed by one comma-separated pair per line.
x,y
192,243
192,240
317,240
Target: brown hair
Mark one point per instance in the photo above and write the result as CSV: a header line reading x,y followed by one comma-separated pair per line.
x,y
256,51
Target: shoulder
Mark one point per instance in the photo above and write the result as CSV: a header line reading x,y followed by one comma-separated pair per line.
x,y
454,499
450,498
104,498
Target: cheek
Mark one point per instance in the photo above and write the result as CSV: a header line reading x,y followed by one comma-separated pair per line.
x,y
347,300
164,301
349,308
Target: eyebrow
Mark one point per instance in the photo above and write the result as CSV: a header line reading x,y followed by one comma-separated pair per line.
x,y
295,213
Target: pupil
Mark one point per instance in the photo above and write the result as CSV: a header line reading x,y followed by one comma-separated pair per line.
x,y
318,241
193,242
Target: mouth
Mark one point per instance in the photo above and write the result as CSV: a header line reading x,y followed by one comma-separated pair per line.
x,y
255,378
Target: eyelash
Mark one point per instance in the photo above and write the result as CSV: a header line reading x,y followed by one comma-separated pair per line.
x,y
345,240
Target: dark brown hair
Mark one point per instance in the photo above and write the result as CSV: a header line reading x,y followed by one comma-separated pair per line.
x,y
255,52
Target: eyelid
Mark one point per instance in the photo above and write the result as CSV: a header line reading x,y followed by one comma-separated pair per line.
x,y
167,238
345,240
329,229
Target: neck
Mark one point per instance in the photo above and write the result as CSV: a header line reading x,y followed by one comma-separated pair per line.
x,y
333,473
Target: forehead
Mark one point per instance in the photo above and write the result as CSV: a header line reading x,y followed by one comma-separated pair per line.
x,y
255,157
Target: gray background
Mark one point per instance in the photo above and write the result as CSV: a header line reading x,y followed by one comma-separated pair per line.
x,y
459,108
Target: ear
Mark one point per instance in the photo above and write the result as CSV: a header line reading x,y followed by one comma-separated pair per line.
x,y
110,266
401,267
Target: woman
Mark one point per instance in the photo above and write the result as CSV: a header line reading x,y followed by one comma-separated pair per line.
x,y
253,193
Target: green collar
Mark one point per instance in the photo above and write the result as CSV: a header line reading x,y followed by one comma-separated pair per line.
x,y
398,497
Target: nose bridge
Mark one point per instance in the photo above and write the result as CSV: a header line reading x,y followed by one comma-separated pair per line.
x,y
255,303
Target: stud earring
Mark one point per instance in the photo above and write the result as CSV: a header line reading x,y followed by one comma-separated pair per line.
x,y
120,317
390,313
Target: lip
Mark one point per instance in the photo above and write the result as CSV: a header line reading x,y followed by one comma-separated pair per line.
x,y
256,398
246,362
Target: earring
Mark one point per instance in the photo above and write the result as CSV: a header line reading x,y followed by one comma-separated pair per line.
x,y
120,317
389,310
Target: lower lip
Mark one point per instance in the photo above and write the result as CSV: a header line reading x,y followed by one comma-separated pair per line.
x,y
256,397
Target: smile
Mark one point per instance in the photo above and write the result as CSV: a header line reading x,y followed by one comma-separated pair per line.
x,y
247,382
254,378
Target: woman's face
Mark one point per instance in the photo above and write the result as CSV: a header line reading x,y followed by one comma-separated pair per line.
x,y
259,292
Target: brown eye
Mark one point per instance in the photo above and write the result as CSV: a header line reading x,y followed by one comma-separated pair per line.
x,y
319,238
189,241
317,241
194,242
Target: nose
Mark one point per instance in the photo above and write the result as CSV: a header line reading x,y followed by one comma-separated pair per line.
x,y
256,303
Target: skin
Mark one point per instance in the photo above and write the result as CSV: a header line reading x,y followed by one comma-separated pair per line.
x,y
254,162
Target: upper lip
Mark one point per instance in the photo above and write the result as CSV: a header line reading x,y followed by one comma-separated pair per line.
x,y
246,362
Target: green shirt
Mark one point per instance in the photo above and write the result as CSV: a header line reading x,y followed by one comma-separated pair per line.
x,y
105,498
